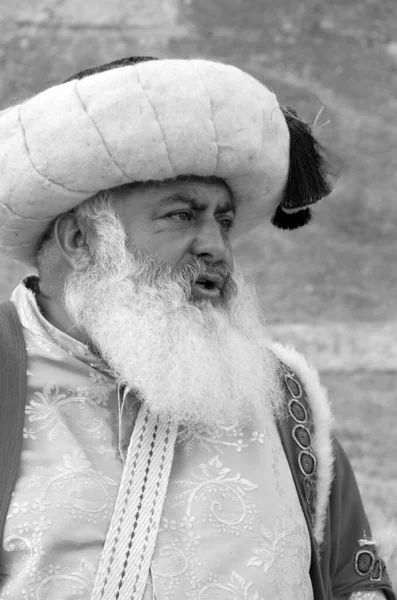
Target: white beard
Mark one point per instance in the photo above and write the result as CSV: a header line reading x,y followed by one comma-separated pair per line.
x,y
201,364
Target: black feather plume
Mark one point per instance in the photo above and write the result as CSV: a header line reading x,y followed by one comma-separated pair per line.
x,y
307,182
284,220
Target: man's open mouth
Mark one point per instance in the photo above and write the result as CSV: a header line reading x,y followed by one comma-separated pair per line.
x,y
208,285
211,280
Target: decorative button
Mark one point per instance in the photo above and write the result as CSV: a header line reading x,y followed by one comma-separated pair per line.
x,y
301,436
307,463
293,386
363,562
297,411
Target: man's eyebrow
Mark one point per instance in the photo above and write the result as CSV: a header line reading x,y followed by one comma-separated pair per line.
x,y
228,206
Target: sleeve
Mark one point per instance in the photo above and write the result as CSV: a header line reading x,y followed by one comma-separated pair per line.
x,y
354,562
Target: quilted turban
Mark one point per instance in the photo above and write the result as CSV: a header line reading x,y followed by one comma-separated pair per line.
x,y
140,120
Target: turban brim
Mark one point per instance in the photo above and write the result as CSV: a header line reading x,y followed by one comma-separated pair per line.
x,y
155,120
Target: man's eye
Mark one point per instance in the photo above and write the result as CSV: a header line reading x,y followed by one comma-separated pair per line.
x,y
228,224
178,214
185,215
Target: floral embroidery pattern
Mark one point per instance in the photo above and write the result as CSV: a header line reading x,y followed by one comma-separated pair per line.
x,y
48,406
45,408
70,469
176,559
276,550
251,557
236,589
224,437
233,489
50,579
88,493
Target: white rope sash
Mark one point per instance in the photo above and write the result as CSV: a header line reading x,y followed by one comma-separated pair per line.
x,y
129,546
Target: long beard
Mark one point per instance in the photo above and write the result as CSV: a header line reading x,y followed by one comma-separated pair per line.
x,y
201,364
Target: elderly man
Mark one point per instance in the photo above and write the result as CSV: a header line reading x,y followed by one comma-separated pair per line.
x,y
155,442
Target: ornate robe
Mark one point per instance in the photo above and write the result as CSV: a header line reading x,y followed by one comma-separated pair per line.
x,y
246,515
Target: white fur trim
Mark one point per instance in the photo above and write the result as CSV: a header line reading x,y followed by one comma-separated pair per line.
x,y
150,121
323,421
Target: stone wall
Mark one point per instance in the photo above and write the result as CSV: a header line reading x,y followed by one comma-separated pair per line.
x,y
339,54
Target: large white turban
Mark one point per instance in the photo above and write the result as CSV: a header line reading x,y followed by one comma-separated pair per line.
x,y
152,120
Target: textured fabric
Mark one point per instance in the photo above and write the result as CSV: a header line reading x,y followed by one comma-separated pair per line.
x,y
130,541
340,560
13,388
34,570
349,532
70,466
150,121
232,523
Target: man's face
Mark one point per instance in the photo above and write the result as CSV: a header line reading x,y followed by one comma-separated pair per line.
x,y
179,220
201,360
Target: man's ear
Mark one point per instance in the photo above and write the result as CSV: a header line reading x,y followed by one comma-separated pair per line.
x,y
75,239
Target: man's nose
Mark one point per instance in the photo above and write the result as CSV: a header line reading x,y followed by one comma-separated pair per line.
x,y
210,241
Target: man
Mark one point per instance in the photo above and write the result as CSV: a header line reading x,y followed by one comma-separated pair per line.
x,y
170,449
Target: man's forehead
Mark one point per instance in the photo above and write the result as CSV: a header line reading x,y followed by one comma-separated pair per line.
x,y
203,191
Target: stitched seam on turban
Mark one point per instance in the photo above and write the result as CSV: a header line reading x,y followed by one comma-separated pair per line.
x,y
34,166
12,247
212,116
157,120
21,216
99,133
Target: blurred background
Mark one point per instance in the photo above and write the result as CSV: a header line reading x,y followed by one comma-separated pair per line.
x,y
330,288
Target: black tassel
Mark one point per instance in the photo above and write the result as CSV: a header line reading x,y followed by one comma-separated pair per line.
x,y
307,181
284,220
